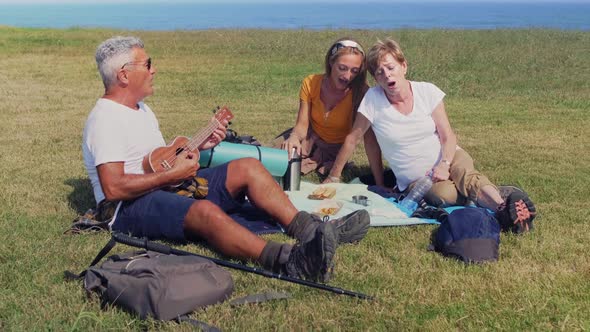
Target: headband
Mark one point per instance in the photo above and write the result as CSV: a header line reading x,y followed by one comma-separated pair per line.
x,y
346,43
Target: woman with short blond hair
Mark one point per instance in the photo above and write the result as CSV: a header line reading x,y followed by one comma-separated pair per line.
x,y
410,128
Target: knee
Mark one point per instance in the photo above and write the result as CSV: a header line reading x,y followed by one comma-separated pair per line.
x,y
200,216
442,194
245,167
459,173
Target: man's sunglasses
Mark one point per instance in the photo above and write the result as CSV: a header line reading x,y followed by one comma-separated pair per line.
x,y
147,63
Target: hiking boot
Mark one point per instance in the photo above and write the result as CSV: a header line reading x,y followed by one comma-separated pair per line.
x,y
312,260
517,212
351,228
505,191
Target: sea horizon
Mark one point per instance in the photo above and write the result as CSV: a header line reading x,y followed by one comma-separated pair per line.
x,y
185,15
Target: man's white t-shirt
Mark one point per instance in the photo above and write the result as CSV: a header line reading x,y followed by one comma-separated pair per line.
x,y
117,133
409,143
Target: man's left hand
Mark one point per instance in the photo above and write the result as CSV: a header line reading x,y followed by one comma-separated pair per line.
x,y
216,137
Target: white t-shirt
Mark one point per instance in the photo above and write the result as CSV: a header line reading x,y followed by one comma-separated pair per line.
x,y
409,143
115,133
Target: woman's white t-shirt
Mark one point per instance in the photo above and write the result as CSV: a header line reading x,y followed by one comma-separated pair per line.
x,y
409,143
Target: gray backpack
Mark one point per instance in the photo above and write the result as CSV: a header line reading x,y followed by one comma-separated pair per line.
x,y
161,286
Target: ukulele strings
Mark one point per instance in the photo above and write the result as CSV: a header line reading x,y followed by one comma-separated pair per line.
x,y
194,142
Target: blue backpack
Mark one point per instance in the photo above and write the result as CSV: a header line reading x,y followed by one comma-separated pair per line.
x,y
471,235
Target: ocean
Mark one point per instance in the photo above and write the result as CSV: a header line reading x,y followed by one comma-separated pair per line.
x,y
315,16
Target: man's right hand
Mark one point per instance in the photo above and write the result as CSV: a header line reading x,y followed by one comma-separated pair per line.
x,y
185,167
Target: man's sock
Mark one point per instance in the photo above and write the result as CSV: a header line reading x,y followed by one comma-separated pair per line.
x,y
302,227
275,255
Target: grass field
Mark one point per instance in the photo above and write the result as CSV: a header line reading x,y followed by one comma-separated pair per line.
x,y
518,100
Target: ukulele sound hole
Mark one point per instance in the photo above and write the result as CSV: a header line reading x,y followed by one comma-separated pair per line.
x,y
179,151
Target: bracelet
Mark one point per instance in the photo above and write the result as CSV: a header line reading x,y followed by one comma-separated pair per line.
x,y
334,178
446,162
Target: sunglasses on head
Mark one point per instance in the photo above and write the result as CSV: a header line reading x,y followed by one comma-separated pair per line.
x,y
346,43
147,63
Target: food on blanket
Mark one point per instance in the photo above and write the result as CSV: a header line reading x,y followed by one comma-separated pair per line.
x,y
331,210
322,193
328,207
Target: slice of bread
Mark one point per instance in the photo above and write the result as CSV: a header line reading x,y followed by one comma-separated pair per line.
x,y
322,192
327,207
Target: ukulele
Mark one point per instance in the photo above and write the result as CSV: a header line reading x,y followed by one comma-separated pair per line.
x,y
163,158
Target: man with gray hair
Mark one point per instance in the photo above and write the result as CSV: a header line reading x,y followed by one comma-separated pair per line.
x,y
121,130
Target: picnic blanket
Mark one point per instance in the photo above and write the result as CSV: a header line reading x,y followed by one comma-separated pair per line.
x,y
383,212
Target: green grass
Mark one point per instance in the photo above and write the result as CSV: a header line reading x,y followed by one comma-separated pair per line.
x,y
518,100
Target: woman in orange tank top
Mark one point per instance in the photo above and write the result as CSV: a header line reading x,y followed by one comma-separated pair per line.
x,y
327,108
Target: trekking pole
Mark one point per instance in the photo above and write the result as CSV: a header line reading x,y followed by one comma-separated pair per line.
x,y
164,249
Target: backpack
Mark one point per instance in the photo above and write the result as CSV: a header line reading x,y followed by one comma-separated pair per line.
x,y
231,136
157,285
471,235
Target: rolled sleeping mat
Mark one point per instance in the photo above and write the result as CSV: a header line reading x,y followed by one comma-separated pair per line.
x,y
274,160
